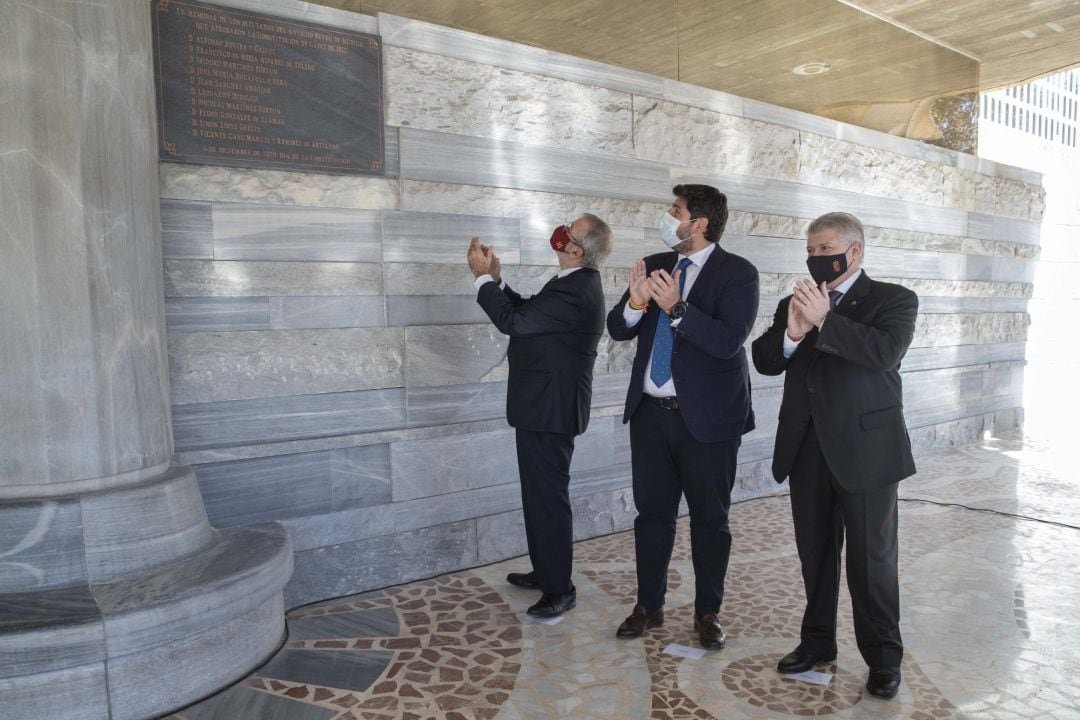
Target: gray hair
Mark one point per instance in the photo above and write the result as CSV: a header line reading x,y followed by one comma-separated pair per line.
x,y
851,230
597,243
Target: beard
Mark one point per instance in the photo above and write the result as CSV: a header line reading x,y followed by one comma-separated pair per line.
x,y
684,247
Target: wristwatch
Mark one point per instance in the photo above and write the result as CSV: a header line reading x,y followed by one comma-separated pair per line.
x,y
677,310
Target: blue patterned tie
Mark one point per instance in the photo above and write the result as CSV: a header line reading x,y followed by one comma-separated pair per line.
x,y
665,339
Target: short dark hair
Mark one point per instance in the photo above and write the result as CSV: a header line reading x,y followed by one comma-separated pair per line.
x,y
707,202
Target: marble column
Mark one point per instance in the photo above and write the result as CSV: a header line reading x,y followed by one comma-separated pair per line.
x,y
117,598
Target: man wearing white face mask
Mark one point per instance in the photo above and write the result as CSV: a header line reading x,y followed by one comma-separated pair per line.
x,y
553,340
688,403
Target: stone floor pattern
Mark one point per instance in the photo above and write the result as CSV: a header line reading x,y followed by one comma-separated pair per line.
x,y
991,623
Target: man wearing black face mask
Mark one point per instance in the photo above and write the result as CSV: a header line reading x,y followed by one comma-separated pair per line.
x,y
842,442
553,340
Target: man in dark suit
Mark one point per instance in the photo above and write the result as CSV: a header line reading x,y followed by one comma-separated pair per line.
x,y
553,340
842,441
688,403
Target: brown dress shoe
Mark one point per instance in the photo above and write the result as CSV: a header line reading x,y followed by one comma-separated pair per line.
x,y
639,621
709,631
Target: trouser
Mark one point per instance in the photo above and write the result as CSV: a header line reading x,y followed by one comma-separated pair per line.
x,y
824,513
668,462
544,469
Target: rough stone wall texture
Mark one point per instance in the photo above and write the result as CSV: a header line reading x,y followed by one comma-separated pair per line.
x,y
331,369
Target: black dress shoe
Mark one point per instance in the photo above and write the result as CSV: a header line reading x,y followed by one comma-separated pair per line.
x,y
709,631
528,580
883,683
639,621
800,660
553,605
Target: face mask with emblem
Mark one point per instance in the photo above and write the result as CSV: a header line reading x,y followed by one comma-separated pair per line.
x,y
826,268
561,237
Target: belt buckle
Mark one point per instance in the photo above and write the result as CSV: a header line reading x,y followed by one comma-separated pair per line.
x,y
669,403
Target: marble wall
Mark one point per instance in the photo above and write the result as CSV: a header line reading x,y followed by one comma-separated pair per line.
x,y
329,365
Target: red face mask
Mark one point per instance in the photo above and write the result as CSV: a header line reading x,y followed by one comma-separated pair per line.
x,y
561,237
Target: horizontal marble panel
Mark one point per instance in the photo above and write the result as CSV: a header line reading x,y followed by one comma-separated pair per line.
x,y
424,237
360,476
436,467
417,35
940,305
445,94
432,279
245,492
222,278
999,269
981,225
275,187
500,536
208,367
929,358
448,158
445,466
240,422
524,204
453,355
444,404
388,560
342,526
198,314
265,489
187,230
267,232
402,310
1016,231
700,97
327,312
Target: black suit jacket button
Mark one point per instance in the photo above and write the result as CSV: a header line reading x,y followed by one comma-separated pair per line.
x,y
812,391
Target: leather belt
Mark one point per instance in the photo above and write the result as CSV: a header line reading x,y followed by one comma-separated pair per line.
x,y
668,403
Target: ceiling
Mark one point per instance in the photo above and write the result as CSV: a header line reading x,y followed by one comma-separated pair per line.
x,y
893,65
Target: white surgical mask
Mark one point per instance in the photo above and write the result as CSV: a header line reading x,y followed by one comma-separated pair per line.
x,y
669,230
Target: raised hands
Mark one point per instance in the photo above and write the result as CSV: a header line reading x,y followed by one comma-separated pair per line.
x,y
664,288
810,302
639,285
483,260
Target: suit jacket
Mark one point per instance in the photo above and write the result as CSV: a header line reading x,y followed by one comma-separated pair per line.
x,y
553,339
708,361
847,376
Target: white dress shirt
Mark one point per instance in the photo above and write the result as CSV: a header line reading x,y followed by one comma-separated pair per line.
x,y
633,317
487,278
842,288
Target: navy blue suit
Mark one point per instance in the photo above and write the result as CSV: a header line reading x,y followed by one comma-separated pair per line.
x,y
553,340
691,449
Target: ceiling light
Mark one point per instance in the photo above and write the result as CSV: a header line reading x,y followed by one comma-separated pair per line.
x,y
812,68
1055,27
1028,34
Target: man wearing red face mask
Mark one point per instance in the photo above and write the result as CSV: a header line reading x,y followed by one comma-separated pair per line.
x,y
553,340
842,442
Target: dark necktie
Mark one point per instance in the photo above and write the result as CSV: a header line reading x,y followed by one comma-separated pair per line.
x,y
664,340
834,298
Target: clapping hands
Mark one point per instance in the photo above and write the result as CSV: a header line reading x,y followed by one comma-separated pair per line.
x,y
483,260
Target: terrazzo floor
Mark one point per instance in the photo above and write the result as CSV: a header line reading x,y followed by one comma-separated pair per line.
x,y
990,616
